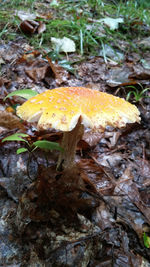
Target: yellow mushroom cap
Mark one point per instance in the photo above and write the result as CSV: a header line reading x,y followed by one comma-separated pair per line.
x,y
60,108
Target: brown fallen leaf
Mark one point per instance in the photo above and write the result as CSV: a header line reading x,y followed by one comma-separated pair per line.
x,y
120,76
29,26
144,168
126,186
38,69
61,75
27,57
42,27
4,81
96,71
103,217
32,26
140,72
92,138
97,175
10,121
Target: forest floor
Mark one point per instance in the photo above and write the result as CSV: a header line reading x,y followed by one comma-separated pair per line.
x,y
99,214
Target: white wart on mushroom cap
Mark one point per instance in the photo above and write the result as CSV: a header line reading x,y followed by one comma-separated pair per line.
x,y
60,108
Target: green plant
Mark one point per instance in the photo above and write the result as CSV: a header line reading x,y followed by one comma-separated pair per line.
x,y
146,240
18,3
138,94
79,21
42,144
143,3
25,93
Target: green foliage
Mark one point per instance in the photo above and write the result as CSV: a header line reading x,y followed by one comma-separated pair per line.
x,y
146,240
75,29
15,137
66,65
138,94
47,145
143,3
22,150
25,93
79,21
18,3
42,144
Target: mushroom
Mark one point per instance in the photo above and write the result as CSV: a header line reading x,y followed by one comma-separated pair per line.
x,y
71,109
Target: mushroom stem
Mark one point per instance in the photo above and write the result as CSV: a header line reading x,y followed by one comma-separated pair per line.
x,y
69,144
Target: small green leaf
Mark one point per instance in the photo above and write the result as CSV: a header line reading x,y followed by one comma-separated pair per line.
x,y
15,137
25,93
21,150
146,239
66,65
44,144
21,134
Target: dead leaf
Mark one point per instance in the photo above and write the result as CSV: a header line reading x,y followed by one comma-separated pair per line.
x,y
25,15
93,70
110,160
97,175
112,23
122,255
127,187
10,121
63,45
144,168
114,139
29,26
112,53
27,57
32,26
41,28
61,75
102,216
37,70
140,73
3,81
119,76
92,138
